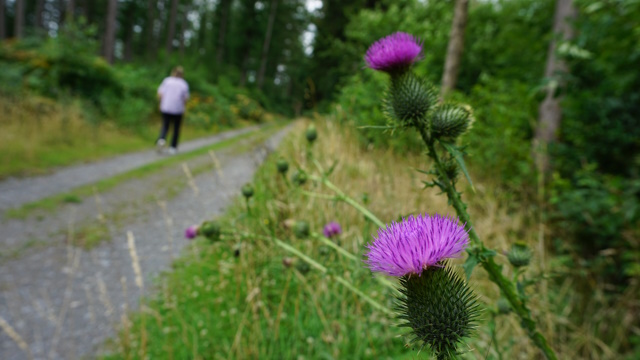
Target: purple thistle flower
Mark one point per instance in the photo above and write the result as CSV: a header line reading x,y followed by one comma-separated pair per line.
x,y
396,51
332,229
414,244
191,232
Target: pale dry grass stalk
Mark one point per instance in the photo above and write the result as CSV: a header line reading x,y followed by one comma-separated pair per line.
x,y
99,205
11,332
135,261
168,222
190,180
90,304
104,296
216,164
73,267
283,298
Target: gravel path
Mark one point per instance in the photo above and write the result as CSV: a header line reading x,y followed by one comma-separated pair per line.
x,y
15,192
58,301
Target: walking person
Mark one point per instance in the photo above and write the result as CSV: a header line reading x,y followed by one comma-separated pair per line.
x,y
173,94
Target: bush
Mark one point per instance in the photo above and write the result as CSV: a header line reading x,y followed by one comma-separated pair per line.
x,y
599,213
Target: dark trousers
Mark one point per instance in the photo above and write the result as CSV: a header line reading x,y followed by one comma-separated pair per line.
x,y
171,120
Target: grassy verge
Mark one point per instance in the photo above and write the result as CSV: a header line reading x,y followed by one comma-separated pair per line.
x,y
75,195
40,134
247,298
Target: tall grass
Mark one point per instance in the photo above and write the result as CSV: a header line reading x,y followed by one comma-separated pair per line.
x,y
215,304
40,133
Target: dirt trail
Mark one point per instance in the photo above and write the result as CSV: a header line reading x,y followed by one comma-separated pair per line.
x,y
59,301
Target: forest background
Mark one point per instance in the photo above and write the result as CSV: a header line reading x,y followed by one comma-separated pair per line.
x,y
77,61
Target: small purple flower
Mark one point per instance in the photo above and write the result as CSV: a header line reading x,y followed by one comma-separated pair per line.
x,y
332,229
414,244
191,232
396,51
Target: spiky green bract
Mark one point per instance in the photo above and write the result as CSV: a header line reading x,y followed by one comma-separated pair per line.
x,y
409,99
519,255
311,134
299,177
282,165
211,230
247,191
449,121
301,229
439,307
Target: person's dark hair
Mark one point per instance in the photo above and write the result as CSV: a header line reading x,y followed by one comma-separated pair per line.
x,y
177,71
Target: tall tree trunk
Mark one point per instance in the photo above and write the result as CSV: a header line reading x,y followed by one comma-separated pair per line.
x,y
19,20
183,28
149,26
71,9
266,44
110,33
3,33
62,11
456,46
40,14
550,112
225,7
171,33
248,40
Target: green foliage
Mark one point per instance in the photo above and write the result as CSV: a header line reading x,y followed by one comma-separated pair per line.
x,y
599,213
596,193
499,144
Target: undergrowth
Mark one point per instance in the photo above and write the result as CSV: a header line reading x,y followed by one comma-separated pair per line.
x,y
249,299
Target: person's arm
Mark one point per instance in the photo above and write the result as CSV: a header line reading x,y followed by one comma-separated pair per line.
x,y
185,95
161,89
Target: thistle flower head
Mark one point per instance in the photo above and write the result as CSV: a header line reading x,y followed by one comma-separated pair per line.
x,y
394,52
332,229
191,232
416,243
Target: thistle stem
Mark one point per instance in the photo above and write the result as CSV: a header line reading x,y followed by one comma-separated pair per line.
x,y
350,256
322,269
490,266
342,196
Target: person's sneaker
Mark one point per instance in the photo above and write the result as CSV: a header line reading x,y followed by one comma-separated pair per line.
x,y
172,151
160,145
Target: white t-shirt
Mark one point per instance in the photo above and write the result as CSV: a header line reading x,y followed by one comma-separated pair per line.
x,y
174,93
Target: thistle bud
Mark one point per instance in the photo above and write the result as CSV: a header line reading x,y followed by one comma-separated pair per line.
x,y
287,262
439,307
519,255
409,99
301,229
303,267
311,134
299,177
211,230
247,191
450,121
282,165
